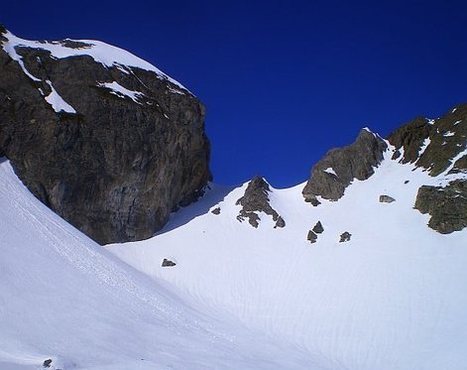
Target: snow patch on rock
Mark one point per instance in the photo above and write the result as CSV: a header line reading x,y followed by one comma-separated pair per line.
x,y
122,92
56,101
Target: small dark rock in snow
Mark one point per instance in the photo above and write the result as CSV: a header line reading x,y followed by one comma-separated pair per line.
x,y
47,363
312,237
280,222
318,228
406,181
396,155
386,199
345,237
216,211
168,263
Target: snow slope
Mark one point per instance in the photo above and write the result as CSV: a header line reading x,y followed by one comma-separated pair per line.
x,y
63,297
393,297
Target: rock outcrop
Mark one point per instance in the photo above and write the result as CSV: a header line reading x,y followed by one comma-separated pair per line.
x,y
440,147
432,144
447,206
256,200
112,146
339,167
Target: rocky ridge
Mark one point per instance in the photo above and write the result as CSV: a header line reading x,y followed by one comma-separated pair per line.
x,y
339,167
440,147
437,145
103,138
256,200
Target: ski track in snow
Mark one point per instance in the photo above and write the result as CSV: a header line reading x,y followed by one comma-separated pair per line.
x,y
393,297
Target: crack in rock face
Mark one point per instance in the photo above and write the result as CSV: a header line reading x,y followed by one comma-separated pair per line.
x,y
256,200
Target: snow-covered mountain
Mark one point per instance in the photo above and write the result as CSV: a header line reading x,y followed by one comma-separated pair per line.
x,y
392,297
362,266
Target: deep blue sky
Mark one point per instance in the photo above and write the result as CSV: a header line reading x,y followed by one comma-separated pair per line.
x,y
283,81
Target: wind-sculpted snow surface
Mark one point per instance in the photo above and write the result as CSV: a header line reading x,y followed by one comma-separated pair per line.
x,y
392,297
64,298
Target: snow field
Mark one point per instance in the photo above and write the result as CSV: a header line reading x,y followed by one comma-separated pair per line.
x,y
392,297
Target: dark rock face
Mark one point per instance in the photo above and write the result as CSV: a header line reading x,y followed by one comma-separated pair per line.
x,y
345,237
256,200
168,263
432,144
279,222
386,199
446,206
312,237
339,167
437,145
318,228
117,167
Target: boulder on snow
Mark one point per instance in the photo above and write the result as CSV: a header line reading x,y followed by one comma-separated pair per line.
x,y
168,263
345,237
46,364
386,199
216,211
318,228
432,144
312,237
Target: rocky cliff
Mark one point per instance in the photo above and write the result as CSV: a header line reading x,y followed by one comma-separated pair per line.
x,y
339,167
438,146
105,139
